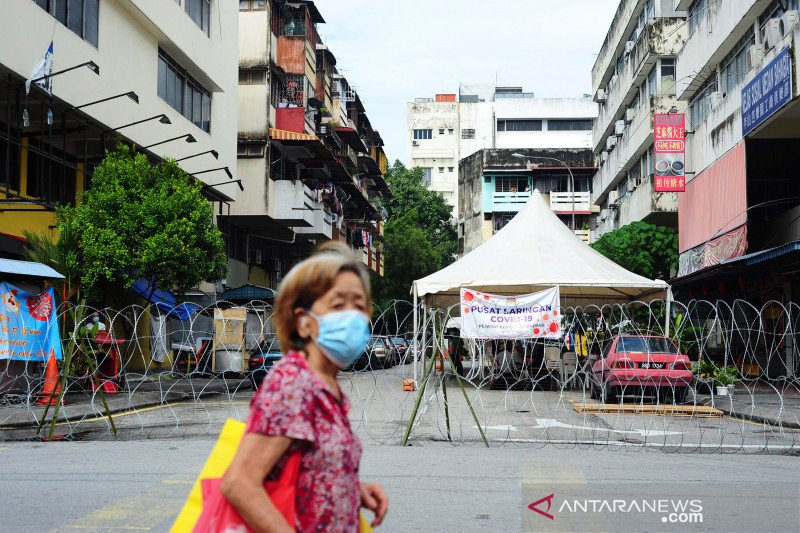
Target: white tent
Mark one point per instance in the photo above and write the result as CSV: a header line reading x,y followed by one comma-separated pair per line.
x,y
533,252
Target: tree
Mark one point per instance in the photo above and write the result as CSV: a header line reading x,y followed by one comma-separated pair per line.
x,y
419,235
62,255
139,220
643,248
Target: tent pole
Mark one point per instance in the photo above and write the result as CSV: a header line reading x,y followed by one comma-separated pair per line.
x,y
669,311
424,341
416,335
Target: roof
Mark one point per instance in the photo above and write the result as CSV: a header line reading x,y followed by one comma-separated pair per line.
x,y
533,252
765,255
28,269
247,293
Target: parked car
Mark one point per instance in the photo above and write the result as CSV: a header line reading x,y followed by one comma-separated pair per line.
x,y
262,358
375,356
402,348
637,364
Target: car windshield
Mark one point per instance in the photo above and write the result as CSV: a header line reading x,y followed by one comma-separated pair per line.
x,y
398,340
645,345
376,341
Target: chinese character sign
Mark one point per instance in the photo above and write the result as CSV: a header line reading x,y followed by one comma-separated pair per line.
x,y
670,152
28,325
490,316
770,90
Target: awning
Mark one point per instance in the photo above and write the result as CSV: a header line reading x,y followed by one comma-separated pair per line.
x,y
164,300
352,138
284,135
765,255
248,293
28,269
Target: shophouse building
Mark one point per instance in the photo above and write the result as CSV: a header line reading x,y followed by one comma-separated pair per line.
x,y
308,156
633,78
739,219
154,74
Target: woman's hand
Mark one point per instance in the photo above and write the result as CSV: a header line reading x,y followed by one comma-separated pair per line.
x,y
374,498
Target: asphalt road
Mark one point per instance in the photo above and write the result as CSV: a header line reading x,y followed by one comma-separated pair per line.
x,y
140,485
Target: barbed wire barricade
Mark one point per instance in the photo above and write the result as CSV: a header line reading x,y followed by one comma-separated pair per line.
x,y
617,378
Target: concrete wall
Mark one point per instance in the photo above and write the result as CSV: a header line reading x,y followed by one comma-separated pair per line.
x,y
130,33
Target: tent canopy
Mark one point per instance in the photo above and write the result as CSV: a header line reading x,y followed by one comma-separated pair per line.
x,y
533,252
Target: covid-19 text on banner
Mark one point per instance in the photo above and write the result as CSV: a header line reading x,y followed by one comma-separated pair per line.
x,y
491,316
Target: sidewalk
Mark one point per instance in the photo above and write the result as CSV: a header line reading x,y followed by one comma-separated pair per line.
x,y
760,404
141,395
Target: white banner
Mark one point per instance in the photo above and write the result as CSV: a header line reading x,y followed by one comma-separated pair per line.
x,y
491,316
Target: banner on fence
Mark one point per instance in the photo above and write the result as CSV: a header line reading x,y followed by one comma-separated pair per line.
x,y
490,316
28,325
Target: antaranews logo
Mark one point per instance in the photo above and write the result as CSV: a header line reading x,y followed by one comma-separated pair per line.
x,y
535,506
673,511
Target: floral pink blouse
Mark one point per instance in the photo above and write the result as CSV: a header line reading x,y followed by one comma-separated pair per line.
x,y
294,402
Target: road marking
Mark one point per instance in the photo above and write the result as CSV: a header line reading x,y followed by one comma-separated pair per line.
x,y
497,428
547,423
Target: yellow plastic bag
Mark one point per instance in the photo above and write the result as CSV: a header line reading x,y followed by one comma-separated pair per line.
x,y
216,466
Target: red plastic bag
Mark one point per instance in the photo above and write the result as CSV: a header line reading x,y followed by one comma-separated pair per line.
x,y
219,516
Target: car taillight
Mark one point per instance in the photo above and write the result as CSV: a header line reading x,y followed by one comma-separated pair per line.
x,y
680,365
625,365
256,360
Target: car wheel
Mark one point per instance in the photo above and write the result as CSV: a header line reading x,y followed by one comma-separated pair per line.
x,y
679,394
592,392
608,394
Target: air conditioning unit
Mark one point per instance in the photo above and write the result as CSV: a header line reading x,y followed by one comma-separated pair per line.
x,y
611,142
771,34
334,218
716,99
631,185
613,199
629,47
755,55
789,21
619,128
600,97
603,156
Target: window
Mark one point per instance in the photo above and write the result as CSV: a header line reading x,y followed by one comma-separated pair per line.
x,y
450,131
650,8
252,77
652,87
519,125
200,12
622,187
734,66
245,150
510,184
441,131
252,5
700,105
80,16
468,133
11,180
183,93
569,125
426,176
420,135
697,11
450,169
667,76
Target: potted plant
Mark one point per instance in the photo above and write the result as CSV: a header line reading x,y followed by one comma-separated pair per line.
x,y
725,378
704,370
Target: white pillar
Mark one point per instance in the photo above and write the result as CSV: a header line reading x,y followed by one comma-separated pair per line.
x,y
416,334
669,312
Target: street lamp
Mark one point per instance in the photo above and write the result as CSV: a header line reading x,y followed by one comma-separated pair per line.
x,y
226,169
571,178
130,94
238,182
162,118
189,139
91,65
212,152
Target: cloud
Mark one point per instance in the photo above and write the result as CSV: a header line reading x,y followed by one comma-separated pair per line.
x,y
395,51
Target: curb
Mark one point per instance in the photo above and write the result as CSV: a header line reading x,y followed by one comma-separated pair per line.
x,y
753,418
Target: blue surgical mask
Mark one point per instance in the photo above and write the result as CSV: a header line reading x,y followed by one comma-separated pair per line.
x,y
343,335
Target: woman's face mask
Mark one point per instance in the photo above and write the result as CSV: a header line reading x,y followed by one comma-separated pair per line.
x,y
343,335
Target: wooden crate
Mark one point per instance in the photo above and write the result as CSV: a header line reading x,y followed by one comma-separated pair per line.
x,y
694,411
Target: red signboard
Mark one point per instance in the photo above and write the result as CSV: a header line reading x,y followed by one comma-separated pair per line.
x,y
670,152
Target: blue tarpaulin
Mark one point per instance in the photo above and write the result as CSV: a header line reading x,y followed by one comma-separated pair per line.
x,y
164,300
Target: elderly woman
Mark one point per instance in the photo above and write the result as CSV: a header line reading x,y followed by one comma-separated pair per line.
x,y
321,316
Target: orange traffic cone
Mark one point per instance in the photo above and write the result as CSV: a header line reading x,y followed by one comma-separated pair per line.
x,y
52,384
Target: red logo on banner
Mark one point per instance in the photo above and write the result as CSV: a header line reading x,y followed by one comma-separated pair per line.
x,y
669,132
535,506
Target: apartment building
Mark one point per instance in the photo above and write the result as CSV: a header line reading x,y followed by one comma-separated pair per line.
x,y
450,127
633,78
738,219
155,74
496,183
308,156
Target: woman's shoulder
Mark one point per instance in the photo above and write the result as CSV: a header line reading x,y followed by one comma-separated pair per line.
x,y
291,370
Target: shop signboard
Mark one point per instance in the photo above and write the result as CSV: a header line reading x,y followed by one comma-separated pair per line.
x,y
669,131
767,93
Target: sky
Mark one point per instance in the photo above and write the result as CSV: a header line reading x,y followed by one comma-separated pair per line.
x,y
394,51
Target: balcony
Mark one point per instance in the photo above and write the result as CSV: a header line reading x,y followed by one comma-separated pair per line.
x,y
321,227
641,204
293,204
506,202
567,202
585,235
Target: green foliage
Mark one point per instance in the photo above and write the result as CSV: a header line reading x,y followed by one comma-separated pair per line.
x,y
420,237
143,221
726,376
643,248
62,255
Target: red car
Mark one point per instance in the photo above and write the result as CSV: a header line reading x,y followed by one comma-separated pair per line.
x,y
635,364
